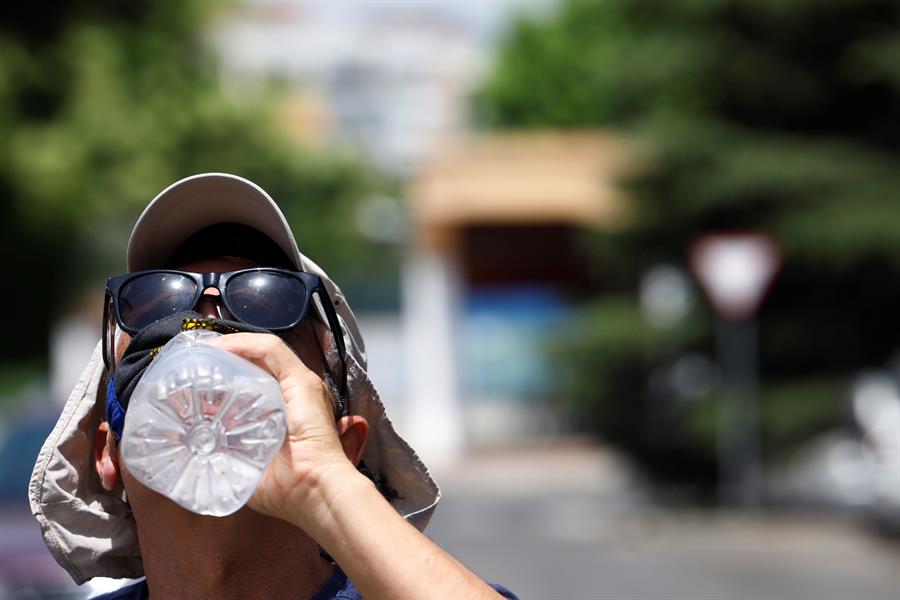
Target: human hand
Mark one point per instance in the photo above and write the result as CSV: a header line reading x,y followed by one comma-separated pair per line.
x,y
313,450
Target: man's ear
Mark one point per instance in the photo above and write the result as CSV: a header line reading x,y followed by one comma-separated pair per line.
x,y
354,433
106,457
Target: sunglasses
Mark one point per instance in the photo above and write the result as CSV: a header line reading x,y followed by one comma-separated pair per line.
x,y
274,299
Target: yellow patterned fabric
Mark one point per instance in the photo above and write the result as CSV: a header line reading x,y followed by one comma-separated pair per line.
x,y
191,323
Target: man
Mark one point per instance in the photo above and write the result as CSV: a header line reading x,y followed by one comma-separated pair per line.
x,y
338,513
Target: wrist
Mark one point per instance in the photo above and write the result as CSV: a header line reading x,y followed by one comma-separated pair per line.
x,y
331,489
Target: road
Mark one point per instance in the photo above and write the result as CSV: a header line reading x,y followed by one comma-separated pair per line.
x,y
570,521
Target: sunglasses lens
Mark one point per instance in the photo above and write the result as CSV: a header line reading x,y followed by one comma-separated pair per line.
x,y
267,299
154,296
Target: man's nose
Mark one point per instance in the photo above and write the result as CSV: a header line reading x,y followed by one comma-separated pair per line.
x,y
209,304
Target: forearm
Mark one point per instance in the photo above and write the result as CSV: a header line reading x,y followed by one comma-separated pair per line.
x,y
383,555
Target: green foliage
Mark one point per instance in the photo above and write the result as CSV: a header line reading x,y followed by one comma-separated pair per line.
x,y
798,408
777,115
615,368
104,104
14,378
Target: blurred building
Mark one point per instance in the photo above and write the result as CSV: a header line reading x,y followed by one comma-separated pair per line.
x,y
72,341
388,79
491,264
491,276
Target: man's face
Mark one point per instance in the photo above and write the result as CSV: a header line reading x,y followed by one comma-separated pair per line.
x,y
144,501
211,547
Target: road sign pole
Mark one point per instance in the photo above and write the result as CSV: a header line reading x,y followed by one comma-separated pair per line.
x,y
737,436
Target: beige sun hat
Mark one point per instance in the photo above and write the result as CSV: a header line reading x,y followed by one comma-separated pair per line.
x,y
91,532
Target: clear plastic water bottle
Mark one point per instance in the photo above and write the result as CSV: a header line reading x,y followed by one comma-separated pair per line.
x,y
202,425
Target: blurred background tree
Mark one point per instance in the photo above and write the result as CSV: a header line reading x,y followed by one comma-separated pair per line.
x,y
776,115
103,104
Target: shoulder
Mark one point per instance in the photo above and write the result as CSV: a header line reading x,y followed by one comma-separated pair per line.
x,y
135,591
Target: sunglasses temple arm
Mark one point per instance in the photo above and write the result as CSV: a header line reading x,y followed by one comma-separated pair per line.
x,y
341,408
332,321
105,332
337,334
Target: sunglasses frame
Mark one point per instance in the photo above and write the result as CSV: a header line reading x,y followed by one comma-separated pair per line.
x,y
219,281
